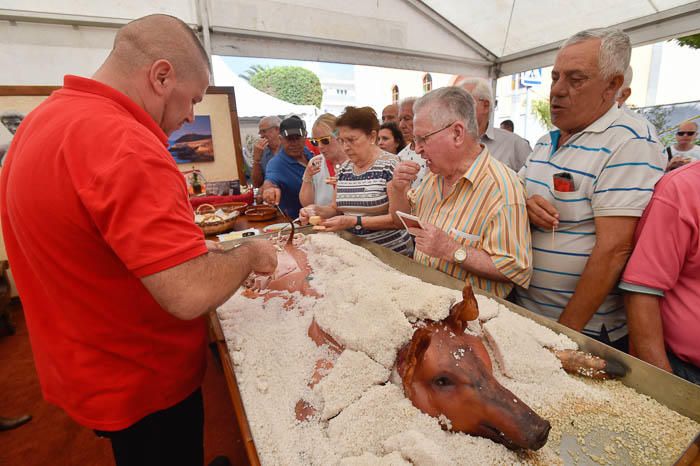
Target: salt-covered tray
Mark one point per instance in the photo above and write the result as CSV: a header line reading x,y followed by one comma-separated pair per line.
x,y
268,360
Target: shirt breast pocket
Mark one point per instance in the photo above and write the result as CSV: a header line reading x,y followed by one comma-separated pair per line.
x,y
572,205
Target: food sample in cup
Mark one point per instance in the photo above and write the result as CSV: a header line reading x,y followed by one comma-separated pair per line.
x,y
315,219
318,228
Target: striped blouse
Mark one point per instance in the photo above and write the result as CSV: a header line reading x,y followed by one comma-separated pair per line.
x,y
489,202
365,194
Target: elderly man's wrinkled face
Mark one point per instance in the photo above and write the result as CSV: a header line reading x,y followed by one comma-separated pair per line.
x,y
406,121
434,143
579,94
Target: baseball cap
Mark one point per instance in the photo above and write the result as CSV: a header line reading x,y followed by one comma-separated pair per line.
x,y
293,125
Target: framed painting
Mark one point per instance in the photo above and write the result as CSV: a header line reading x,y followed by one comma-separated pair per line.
x,y
211,144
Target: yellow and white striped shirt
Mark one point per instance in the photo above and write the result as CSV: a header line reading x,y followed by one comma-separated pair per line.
x,y
489,202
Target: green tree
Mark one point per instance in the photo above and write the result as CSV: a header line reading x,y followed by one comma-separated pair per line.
x,y
690,41
252,71
292,84
540,109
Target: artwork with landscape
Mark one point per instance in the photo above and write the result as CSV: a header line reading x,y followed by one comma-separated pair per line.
x,y
193,142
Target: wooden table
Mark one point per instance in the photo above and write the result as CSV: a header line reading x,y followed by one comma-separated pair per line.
x,y
244,223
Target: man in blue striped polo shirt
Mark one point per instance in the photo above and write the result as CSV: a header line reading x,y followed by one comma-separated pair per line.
x,y
587,185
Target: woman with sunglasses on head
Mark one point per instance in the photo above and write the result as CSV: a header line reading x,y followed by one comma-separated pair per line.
x,y
361,202
318,182
390,138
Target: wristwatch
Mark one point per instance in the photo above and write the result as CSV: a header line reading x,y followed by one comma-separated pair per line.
x,y
358,223
460,255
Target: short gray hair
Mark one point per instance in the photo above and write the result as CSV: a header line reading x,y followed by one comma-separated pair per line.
x,y
407,101
482,90
449,104
615,49
273,121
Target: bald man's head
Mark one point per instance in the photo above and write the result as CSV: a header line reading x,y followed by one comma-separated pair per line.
x,y
159,63
159,37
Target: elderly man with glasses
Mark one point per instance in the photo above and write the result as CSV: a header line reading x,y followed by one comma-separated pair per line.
x,y
471,206
588,183
265,148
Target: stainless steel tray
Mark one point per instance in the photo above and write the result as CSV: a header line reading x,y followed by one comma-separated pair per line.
x,y
673,392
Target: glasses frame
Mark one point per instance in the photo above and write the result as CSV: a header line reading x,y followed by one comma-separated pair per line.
x,y
685,133
422,140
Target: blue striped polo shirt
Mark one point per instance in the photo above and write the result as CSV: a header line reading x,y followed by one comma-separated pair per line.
x,y
614,163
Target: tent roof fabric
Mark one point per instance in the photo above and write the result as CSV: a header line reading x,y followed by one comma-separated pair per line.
x,y
451,36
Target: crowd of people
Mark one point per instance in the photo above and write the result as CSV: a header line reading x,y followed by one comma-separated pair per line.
x,y
551,227
115,311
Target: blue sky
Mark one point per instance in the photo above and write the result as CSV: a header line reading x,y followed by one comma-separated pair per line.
x,y
201,125
325,71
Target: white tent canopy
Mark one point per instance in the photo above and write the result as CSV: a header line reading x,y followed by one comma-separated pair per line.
x,y
40,40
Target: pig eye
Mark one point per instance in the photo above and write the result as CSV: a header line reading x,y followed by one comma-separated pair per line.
x,y
442,381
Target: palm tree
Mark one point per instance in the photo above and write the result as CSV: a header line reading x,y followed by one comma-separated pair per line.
x,y
252,71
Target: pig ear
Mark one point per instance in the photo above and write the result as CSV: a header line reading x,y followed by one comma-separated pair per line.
x,y
416,350
464,311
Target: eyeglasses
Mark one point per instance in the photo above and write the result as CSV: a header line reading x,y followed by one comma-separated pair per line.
x,y
349,141
324,140
293,137
685,133
423,139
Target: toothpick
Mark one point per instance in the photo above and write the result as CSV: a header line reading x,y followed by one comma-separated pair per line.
x,y
554,228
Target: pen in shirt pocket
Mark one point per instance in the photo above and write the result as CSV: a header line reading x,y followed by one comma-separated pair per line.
x,y
463,235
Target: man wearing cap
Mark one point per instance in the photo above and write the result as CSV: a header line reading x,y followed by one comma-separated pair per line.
x,y
285,171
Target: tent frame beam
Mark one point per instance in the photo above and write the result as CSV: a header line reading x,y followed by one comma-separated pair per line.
x,y
645,30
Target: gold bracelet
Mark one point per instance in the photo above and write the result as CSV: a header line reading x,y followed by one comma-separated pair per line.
x,y
307,180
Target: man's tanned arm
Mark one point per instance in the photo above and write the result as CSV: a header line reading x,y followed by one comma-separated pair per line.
x,y
613,246
200,285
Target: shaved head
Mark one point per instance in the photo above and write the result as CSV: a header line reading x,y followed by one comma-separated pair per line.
x,y
159,37
158,62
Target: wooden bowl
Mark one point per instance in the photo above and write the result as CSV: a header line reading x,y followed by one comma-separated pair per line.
x,y
261,213
226,207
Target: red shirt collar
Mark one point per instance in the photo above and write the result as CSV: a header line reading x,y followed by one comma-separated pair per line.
x,y
80,84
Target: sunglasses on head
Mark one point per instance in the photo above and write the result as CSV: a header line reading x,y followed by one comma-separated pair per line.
x,y
685,133
324,140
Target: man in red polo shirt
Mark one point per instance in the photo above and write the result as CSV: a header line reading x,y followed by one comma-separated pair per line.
x,y
113,274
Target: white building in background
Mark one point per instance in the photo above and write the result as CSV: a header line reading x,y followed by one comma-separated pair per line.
x,y
378,87
337,94
664,73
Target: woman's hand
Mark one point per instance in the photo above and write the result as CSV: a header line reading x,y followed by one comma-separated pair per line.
x,y
305,213
313,166
339,222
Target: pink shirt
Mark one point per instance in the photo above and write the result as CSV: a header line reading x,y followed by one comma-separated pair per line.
x,y
667,258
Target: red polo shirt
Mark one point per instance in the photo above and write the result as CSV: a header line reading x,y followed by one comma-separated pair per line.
x,y
91,201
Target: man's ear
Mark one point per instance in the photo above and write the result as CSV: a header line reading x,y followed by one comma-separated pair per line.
x,y
459,133
161,75
614,84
